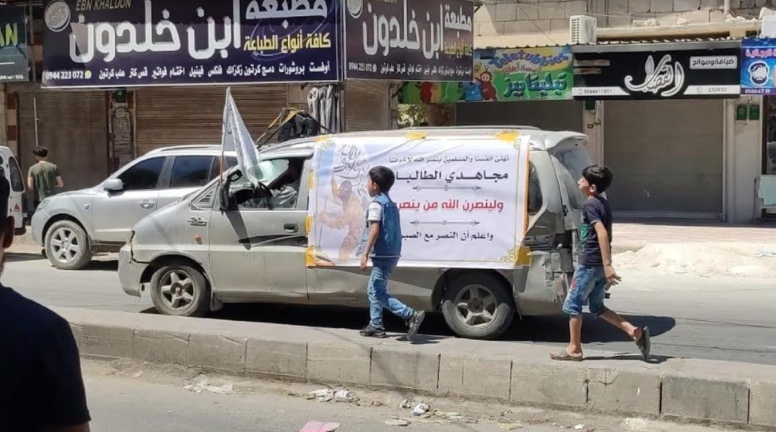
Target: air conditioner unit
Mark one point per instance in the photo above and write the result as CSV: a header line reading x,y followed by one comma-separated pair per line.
x,y
583,29
769,26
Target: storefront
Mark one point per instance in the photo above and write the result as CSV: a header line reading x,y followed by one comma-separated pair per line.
x,y
664,122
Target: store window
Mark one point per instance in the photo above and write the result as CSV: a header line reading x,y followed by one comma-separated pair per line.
x,y
769,136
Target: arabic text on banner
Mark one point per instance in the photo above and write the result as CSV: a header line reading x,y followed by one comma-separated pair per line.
x,y
504,75
758,66
13,45
235,137
93,43
429,40
459,208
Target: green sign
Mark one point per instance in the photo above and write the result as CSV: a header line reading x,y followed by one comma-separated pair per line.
x,y
504,75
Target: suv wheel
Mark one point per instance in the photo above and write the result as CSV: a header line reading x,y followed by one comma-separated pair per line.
x,y
180,289
67,245
478,306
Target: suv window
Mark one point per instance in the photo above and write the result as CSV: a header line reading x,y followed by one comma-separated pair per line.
x,y
535,200
17,182
192,171
143,175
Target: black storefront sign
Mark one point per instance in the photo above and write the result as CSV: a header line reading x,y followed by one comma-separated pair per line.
x,y
409,40
638,72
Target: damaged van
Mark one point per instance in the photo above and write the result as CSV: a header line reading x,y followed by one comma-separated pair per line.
x,y
490,226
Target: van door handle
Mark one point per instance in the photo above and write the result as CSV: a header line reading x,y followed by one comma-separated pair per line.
x,y
291,228
146,204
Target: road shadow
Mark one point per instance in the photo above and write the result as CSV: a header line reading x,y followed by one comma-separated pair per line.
x,y
532,329
652,359
102,265
22,256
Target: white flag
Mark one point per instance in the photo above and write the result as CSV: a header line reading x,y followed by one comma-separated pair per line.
x,y
235,136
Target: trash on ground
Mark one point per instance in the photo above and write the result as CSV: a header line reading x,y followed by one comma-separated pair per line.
x,y
579,427
315,426
510,426
343,395
138,374
397,422
405,404
204,385
420,409
322,395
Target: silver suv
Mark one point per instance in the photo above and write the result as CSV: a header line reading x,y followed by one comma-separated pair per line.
x,y
72,226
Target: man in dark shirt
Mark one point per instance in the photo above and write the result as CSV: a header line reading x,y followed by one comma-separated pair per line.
x,y
595,270
41,388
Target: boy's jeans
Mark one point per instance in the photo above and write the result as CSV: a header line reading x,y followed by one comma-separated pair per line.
x,y
378,293
587,287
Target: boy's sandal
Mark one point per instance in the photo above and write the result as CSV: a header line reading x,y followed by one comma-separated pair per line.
x,y
565,356
644,343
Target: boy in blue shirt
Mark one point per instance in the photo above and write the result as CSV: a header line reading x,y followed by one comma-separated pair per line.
x,y
595,270
383,240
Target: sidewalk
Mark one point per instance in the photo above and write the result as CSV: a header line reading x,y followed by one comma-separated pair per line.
x,y
635,235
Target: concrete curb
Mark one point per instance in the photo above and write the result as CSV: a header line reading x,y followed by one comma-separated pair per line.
x,y
692,390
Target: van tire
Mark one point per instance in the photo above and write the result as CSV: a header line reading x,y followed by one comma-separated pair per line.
x,y
482,298
67,234
179,289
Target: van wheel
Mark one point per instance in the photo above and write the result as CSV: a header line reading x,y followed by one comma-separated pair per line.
x,y
180,289
67,245
478,306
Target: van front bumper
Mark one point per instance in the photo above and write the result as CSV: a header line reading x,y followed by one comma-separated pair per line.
x,y
131,272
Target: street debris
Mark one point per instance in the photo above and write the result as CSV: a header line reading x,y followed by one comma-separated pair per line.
x,y
138,374
579,427
337,395
510,426
315,426
420,409
203,384
397,422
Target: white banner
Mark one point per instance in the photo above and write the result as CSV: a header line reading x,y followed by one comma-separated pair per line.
x,y
462,201
235,137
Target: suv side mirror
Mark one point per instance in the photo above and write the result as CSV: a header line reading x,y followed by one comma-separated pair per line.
x,y
113,185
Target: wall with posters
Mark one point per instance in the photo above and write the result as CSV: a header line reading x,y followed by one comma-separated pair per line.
x,y
758,66
503,75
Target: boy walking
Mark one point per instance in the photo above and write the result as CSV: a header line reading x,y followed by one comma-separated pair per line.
x,y
383,240
595,270
43,177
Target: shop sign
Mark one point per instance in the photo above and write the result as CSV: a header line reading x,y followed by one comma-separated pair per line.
x,y
13,45
688,74
506,75
131,43
401,40
758,66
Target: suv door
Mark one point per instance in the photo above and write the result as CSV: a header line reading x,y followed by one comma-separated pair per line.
x,y
115,213
258,253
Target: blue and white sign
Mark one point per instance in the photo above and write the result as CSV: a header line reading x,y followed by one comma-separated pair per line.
x,y
758,68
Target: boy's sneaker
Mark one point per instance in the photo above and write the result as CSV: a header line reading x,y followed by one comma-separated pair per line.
x,y
372,331
414,324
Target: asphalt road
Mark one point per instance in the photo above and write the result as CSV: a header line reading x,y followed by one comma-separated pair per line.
x,y
710,318
132,398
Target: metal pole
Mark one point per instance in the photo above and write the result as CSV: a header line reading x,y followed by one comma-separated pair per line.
x,y
726,7
35,116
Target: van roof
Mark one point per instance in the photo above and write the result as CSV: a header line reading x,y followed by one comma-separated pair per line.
x,y
541,140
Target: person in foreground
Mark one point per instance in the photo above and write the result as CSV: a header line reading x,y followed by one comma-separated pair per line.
x,y
595,270
383,245
41,388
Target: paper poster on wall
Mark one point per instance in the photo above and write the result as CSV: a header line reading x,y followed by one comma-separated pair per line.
x,y
459,208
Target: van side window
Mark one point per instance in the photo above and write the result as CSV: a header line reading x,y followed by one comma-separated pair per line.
x,y
17,182
535,200
281,176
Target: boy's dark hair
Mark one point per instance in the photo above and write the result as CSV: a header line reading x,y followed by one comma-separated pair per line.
x,y
598,176
40,151
383,177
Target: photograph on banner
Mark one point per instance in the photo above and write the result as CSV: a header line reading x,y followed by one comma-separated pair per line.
x,y
173,42
13,45
758,66
506,75
462,202
429,40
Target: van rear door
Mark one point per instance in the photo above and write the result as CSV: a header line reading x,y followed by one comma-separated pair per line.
x,y
17,192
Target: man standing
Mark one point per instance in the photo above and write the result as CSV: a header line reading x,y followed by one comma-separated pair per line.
x,y
43,177
42,389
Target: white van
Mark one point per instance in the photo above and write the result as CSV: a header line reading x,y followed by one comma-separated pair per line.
x,y
13,173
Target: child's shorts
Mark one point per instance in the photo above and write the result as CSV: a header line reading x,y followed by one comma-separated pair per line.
x,y
587,286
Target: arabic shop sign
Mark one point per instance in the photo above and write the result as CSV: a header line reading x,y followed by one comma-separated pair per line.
x,y
758,66
13,45
117,43
504,75
687,73
429,40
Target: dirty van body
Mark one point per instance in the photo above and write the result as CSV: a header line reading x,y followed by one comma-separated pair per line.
x,y
224,245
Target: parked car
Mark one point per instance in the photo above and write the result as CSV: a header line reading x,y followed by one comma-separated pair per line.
x,y
12,172
231,251
72,226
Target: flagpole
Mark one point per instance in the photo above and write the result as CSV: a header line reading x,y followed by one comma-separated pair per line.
x,y
223,131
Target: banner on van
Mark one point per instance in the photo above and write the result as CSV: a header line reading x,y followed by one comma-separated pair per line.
x,y
459,207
